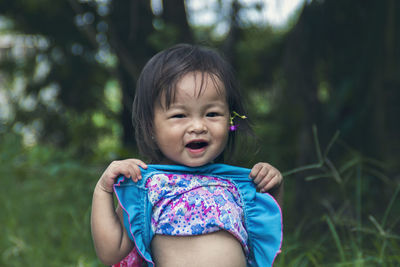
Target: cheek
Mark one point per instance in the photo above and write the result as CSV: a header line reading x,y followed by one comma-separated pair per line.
x,y
223,133
223,140
167,138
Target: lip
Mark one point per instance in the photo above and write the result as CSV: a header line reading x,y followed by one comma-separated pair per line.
x,y
196,151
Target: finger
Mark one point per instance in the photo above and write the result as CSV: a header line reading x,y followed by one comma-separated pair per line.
x,y
139,162
261,176
115,169
128,173
272,184
279,178
118,168
255,170
268,181
275,182
264,182
271,174
134,171
137,172
275,176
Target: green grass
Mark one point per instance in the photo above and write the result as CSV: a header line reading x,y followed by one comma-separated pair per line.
x,y
45,210
357,225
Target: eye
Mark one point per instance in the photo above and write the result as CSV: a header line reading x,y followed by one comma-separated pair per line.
x,y
177,116
213,114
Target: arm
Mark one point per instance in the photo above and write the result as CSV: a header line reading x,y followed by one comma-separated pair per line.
x,y
268,179
111,241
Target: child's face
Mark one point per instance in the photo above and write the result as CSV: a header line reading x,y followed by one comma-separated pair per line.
x,y
194,130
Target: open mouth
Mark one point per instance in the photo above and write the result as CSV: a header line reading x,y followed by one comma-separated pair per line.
x,y
197,145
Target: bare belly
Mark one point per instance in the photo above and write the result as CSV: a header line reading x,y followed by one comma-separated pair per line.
x,y
219,249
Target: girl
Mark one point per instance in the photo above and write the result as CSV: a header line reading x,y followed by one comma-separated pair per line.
x,y
187,211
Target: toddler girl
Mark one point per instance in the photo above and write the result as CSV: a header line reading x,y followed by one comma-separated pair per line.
x,y
187,208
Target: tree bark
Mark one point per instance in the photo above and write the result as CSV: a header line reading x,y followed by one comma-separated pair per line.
x,y
130,26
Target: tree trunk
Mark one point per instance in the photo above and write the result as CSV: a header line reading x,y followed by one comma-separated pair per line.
x,y
130,26
174,14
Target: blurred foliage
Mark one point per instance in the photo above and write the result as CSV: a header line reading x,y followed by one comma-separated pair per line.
x,y
45,196
345,226
67,78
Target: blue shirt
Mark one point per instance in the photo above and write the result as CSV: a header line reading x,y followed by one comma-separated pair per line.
x,y
262,214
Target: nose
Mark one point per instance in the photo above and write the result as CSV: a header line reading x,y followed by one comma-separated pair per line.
x,y
197,126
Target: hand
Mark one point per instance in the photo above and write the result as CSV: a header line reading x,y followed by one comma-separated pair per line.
x,y
265,176
128,168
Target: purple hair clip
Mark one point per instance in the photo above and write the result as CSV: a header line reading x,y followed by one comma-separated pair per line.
x,y
234,115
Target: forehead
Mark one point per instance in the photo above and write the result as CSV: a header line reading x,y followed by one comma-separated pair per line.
x,y
199,83
194,84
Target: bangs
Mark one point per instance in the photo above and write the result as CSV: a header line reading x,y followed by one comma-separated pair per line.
x,y
167,93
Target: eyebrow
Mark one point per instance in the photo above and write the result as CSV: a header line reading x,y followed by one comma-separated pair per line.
x,y
218,103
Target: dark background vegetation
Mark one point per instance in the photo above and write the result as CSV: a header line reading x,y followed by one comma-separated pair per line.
x,y
322,93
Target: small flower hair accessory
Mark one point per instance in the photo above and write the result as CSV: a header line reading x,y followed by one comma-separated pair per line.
x,y
234,115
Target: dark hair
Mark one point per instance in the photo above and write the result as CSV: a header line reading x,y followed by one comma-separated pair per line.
x,y
160,76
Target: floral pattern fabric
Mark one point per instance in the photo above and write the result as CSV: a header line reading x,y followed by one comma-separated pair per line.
x,y
187,204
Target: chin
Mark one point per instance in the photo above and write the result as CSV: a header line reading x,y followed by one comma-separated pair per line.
x,y
195,163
